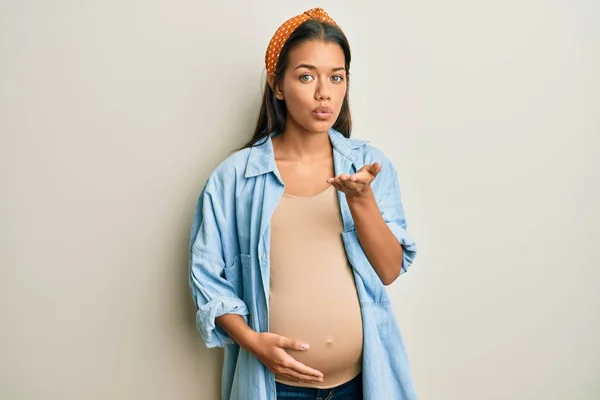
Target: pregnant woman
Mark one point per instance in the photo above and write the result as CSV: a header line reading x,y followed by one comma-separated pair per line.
x,y
296,235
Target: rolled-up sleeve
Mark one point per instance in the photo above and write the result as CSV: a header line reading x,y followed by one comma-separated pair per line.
x,y
213,294
392,211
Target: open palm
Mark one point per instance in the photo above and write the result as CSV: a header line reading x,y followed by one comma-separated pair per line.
x,y
358,183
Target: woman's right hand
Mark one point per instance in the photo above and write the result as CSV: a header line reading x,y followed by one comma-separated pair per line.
x,y
270,348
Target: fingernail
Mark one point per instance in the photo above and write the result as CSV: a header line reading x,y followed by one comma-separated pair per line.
x,y
304,346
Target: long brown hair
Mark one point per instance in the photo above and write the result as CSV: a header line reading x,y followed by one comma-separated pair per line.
x,y
271,117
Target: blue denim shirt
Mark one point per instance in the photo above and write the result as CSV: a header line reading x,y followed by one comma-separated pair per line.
x,y
229,266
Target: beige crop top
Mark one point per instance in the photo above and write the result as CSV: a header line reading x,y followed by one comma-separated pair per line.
x,y
313,296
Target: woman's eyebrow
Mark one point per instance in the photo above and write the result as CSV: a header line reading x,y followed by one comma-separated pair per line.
x,y
312,67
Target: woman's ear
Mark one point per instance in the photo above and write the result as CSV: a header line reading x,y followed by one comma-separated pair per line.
x,y
274,87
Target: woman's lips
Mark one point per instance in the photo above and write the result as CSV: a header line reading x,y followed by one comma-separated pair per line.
x,y
323,113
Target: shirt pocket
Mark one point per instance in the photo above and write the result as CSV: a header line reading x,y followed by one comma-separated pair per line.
x,y
234,273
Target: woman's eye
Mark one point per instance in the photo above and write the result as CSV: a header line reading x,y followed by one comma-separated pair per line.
x,y
337,78
305,78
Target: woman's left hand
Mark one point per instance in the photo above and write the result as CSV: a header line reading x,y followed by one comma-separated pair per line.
x,y
358,184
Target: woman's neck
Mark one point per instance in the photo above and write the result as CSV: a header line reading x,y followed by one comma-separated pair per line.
x,y
301,145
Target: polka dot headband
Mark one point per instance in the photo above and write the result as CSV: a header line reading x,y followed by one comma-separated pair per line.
x,y
284,32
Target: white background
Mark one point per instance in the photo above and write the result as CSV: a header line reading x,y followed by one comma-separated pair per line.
x,y
113,113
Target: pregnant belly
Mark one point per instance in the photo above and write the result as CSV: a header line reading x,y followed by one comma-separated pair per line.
x,y
332,329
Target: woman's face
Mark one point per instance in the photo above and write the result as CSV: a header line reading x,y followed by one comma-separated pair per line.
x,y
314,86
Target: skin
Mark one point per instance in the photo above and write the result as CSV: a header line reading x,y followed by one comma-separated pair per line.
x,y
316,77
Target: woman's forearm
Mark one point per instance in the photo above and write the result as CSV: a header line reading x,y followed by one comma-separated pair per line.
x,y
382,248
237,328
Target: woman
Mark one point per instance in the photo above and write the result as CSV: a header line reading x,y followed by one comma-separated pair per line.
x,y
296,235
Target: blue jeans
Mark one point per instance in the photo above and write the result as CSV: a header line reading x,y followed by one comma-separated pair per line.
x,y
351,390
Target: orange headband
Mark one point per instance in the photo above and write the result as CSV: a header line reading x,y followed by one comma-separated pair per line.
x,y
285,31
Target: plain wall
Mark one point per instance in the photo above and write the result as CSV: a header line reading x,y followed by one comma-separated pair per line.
x,y
113,113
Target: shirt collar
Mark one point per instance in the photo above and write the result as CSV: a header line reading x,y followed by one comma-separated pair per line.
x,y
262,157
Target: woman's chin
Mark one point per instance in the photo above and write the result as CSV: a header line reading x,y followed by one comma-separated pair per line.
x,y
318,127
